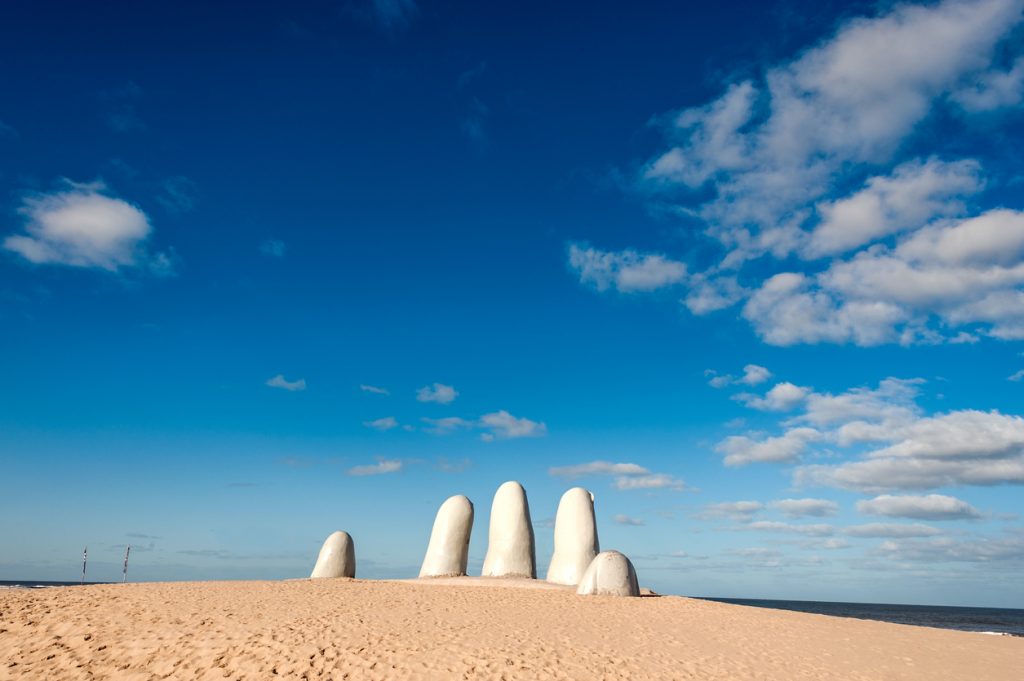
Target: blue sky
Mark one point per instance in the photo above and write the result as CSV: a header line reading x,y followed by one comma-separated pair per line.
x,y
753,274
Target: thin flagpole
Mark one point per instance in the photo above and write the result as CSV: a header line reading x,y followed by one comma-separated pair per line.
x,y
85,558
124,573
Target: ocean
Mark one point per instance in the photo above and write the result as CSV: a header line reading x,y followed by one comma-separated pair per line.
x,y
1005,621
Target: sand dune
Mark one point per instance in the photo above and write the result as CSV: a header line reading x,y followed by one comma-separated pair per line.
x,y
353,629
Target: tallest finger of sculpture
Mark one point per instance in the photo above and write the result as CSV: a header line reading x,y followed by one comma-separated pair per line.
x,y
510,549
575,537
448,550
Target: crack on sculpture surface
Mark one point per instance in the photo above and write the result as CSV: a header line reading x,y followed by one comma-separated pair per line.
x,y
337,557
448,550
510,541
576,542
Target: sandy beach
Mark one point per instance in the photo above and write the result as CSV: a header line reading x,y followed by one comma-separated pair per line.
x,y
356,629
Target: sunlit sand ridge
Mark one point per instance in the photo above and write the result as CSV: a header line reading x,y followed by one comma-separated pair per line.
x,y
341,628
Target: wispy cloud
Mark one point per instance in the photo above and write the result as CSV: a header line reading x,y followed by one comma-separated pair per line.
x,y
875,530
471,75
121,106
446,466
382,424
740,511
504,425
597,468
178,194
388,15
740,450
814,530
805,508
373,389
753,374
382,467
272,247
627,476
947,549
652,481
630,521
474,121
448,424
438,393
906,449
626,271
281,382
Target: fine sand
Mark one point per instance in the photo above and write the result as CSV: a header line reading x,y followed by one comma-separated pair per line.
x,y
352,629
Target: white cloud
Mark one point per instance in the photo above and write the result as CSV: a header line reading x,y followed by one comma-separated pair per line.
x,y
767,165
961,272
783,397
652,481
380,468
960,435
771,149
504,425
448,424
929,507
946,549
740,511
740,450
628,476
281,382
816,530
597,468
83,226
874,530
891,403
628,520
964,447
707,294
382,424
899,446
438,392
718,381
1016,376
752,375
789,309
876,475
626,271
994,89
916,193
803,508
373,389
